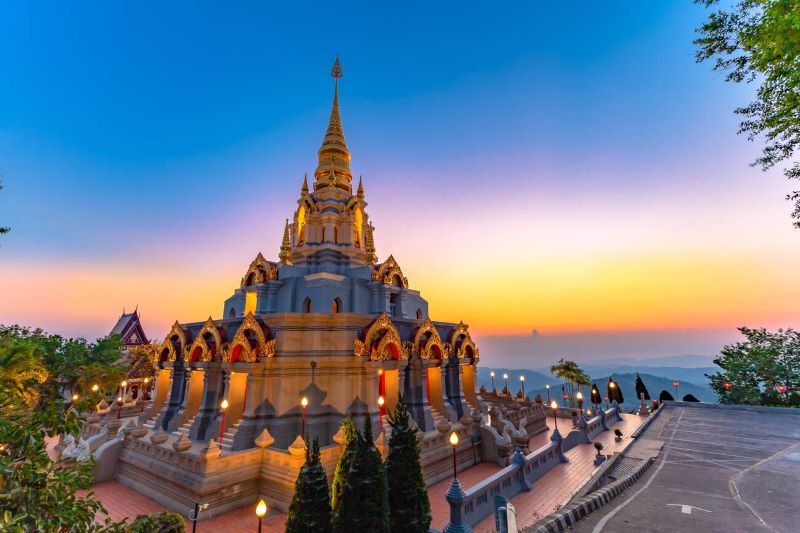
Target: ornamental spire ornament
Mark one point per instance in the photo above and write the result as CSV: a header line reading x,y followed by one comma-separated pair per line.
x,y
360,188
334,147
286,246
304,188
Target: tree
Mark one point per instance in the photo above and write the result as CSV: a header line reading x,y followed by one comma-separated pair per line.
x,y
596,398
364,503
350,431
641,388
759,40
163,522
690,398
664,396
572,375
310,509
618,393
753,370
410,509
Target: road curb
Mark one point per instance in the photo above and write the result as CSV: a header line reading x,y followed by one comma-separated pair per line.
x,y
561,520
735,407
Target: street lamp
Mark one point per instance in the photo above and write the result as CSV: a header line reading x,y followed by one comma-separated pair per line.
x,y
782,389
95,388
261,512
548,393
120,402
491,375
124,386
612,386
579,396
223,406
676,384
146,388
454,443
193,517
304,404
75,397
554,407
522,384
381,401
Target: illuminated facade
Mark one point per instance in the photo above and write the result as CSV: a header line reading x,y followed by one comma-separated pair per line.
x,y
327,321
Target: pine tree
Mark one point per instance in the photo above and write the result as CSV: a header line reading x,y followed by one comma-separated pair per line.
x,y
641,388
348,427
364,505
596,399
310,509
410,510
664,396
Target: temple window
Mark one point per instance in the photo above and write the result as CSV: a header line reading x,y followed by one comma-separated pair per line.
x,y
393,305
307,305
251,279
232,313
336,306
250,302
419,314
397,281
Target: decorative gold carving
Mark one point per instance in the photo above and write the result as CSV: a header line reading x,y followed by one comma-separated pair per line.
x,y
388,271
286,246
240,339
379,339
463,344
424,348
259,271
167,344
201,344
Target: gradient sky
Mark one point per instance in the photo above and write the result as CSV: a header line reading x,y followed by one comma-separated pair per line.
x,y
558,166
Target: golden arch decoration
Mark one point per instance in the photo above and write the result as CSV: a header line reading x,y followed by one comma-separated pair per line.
x,y
172,355
240,345
463,344
382,328
260,271
388,271
434,341
201,344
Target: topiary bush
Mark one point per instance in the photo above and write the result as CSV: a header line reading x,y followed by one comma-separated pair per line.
x,y
163,522
690,398
618,432
599,447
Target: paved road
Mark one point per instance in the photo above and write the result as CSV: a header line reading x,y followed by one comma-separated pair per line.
x,y
720,470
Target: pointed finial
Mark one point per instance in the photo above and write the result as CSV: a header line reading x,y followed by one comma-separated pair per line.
x,y
336,69
360,188
286,245
304,188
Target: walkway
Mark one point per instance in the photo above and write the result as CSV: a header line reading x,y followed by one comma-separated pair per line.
x,y
551,490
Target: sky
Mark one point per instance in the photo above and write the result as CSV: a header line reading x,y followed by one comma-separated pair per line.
x,y
561,176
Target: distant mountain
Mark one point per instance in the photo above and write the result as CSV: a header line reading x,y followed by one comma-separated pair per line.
x,y
696,376
533,379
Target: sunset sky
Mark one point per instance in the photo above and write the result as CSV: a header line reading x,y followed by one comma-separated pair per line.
x,y
556,166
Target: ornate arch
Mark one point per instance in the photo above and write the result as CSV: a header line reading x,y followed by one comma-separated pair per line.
x,y
200,342
388,271
172,355
425,347
240,349
260,270
380,339
463,344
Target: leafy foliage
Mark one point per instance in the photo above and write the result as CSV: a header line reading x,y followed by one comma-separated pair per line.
x,y
759,40
310,509
754,368
410,508
347,426
364,503
574,377
163,522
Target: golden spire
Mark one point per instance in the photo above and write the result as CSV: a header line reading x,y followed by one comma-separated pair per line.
x,y
370,245
334,147
360,188
286,246
304,188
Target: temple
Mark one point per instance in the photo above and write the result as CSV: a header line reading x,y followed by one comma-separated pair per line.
x,y
324,331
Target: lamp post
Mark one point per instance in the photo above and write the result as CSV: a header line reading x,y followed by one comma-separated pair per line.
x,y
381,401
613,386
95,388
223,406
505,379
261,512
197,508
606,400
119,402
304,405
491,375
146,392
522,384
454,443
676,384
554,407
548,393
579,396
124,387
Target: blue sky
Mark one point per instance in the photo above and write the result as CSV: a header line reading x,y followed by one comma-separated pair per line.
x,y
151,140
